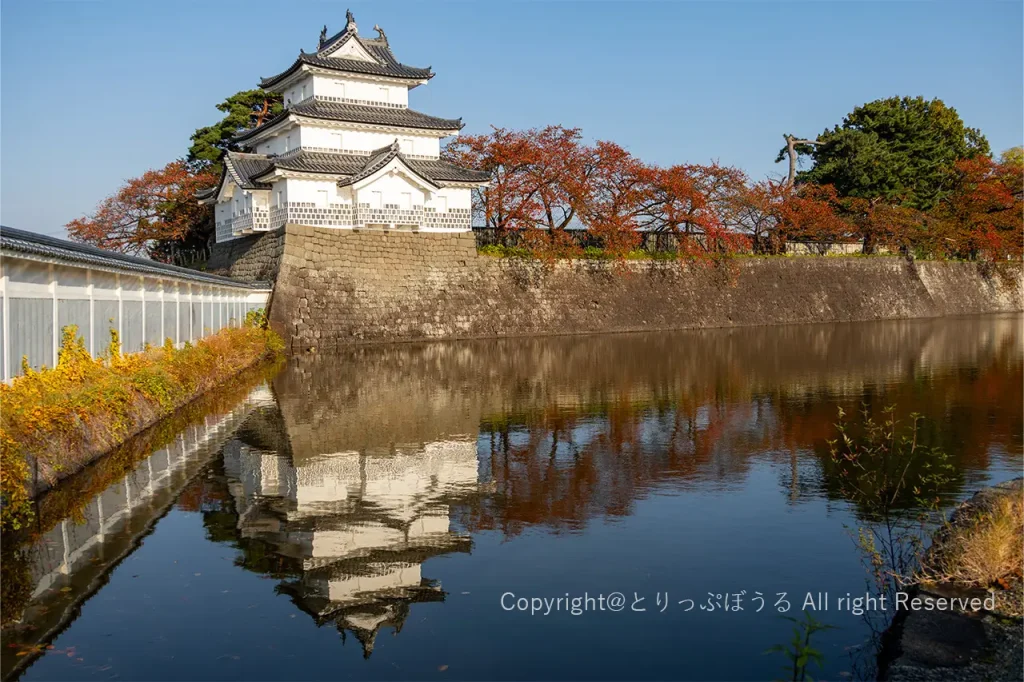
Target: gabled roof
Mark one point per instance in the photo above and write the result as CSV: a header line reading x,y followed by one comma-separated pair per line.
x,y
379,159
241,168
387,64
244,167
329,163
359,113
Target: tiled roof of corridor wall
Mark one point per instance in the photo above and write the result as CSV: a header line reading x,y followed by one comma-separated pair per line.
x,y
20,242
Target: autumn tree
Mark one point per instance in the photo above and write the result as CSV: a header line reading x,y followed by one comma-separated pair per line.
x,y
888,224
538,180
902,148
811,214
155,214
510,201
611,190
753,209
242,111
773,214
983,214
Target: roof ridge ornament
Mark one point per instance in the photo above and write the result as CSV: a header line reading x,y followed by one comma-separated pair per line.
x,y
395,146
350,22
381,36
323,37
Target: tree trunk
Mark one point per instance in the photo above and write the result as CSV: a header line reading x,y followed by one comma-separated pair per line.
x,y
791,143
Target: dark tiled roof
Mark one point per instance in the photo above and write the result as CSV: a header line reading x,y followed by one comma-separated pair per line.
x,y
244,167
360,113
377,160
32,244
442,171
387,64
350,164
208,192
321,162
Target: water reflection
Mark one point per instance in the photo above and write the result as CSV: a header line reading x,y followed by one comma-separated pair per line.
x,y
347,479
49,575
351,529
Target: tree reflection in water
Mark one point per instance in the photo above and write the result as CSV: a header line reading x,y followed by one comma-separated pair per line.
x,y
370,462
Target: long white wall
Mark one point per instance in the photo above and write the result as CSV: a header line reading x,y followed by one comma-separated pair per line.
x,y
40,298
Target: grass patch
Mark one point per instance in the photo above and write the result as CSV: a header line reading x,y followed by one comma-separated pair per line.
x,y
56,420
499,251
983,545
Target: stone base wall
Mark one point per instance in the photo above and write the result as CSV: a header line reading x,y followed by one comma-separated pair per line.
x,y
253,258
337,287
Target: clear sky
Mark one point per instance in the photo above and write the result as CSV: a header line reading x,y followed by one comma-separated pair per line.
x,y
94,92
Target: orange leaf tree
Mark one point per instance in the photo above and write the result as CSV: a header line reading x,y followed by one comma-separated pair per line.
x,y
538,178
611,189
153,214
810,214
983,215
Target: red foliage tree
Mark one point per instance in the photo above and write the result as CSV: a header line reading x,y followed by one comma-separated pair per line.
x,y
612,194
694,203
533,175
983,216
157,207
811,214
753,210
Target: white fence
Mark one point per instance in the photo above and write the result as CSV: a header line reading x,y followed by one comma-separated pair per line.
x,y
48,283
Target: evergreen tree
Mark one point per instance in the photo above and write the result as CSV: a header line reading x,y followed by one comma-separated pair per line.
x,y
243,110
899,149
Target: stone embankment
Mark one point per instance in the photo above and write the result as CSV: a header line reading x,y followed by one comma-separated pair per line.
x,y
336,287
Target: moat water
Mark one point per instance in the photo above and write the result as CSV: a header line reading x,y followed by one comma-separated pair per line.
x,y
381,513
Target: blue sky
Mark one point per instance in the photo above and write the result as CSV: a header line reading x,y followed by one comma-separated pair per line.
x,y
94,92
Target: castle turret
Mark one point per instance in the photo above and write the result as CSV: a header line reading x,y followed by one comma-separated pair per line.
x,y
347,151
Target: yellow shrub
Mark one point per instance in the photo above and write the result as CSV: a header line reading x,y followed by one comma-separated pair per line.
x,y
84,406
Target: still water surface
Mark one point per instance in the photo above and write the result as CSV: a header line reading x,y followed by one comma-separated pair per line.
x,y
362,515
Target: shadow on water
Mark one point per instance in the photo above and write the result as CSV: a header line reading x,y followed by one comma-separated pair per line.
x,y
516,462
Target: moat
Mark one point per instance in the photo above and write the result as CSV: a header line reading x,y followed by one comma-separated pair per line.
x,y
378,513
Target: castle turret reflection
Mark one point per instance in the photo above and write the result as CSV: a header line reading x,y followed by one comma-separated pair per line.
x,y
350,529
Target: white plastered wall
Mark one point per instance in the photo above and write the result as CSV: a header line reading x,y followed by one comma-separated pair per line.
x,y
365,90
337,138
320,193
393,188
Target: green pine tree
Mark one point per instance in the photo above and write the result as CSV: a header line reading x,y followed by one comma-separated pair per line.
x,y
243,110
900,149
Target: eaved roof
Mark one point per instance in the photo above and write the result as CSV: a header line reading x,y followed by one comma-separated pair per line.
x,y
379,158
359,113
208,192
351,165
244,167
43,246
386,62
